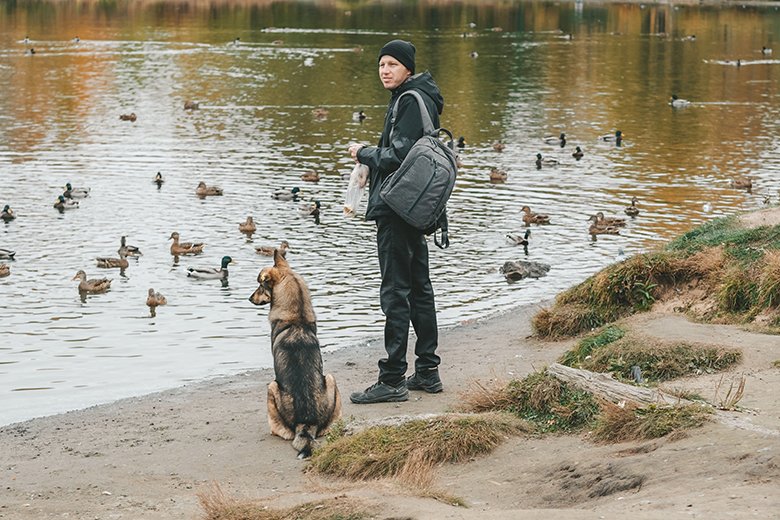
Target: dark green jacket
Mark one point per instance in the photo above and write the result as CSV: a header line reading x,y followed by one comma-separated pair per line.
x,y
386,157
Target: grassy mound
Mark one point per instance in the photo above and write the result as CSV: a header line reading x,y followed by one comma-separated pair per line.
x,y
616,424
217,506
739,268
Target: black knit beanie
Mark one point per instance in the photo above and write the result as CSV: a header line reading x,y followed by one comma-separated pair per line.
x,y
402,51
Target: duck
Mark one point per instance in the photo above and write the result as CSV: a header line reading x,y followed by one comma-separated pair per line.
x,y
461,142
617,137
743,183
560,140
210,273
75,193
499,146
237,41
62,203
312,209
497,175
311,176
205,191
533,218
247,226
599,229
632,210
154,299
766,51
286,194
191,105
184,248
359,116
519,240
158,179
6,254
676,102
127,250
7,214
128,117
284,246
689,38
545,161
5,270
96,285
75,39
320,113
578,153
110,263
609,221
30,51
474,54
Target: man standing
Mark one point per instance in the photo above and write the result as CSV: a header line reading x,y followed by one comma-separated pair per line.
x,y
406,293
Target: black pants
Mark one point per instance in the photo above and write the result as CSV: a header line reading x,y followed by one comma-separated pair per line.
x,y
406,295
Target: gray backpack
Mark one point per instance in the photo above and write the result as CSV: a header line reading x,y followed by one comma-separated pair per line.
x,y
419,189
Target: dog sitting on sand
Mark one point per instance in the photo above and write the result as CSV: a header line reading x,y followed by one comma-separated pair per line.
x,y
302,401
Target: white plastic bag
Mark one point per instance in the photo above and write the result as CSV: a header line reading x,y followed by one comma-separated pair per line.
x,y
357,185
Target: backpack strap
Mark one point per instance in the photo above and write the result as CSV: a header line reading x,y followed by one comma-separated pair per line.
x,y
443,227
428,128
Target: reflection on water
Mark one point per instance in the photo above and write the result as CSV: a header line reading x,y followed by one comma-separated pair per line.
x,y
277,85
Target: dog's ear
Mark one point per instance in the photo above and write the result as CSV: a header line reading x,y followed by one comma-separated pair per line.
x,y
279,260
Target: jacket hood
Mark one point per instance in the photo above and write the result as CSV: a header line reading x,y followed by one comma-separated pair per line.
x,y
424,83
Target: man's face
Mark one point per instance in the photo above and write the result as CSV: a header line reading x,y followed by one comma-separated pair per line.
x,y
391,72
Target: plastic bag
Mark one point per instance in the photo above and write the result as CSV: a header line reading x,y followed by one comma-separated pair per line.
x,y
357,186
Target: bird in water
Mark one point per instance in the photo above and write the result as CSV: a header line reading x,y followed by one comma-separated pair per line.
x,y
211,273
269,250
632,210
519,240
110,263
75,193
676,102
154,299
184,248
7,214
158,180
545,161
499,146
62,203
94,286
578,153
359,116
6,254
206,191
560,140
286,194
461,142
616,138
529,217
497,175
127,250
247,226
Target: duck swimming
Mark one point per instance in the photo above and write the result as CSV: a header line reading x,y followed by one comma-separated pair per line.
x,y
127,250
6,254
742,183
359,116
191,105
530,217
248,226
599,229
154,299
312,176
5,270
110,263
286,194
632,210
560,140
609,221
7,214
75,193
62,203
128,117
519,240
497,175
311,210
461,142
97,285
320,113
545,161
617,138
158,179
210,273
269,250
206,191
184,248
499,146
578,153
678,103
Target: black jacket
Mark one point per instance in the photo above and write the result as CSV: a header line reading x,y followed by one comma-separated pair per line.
x,y
386,157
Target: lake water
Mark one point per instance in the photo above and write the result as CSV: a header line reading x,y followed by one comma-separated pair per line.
x,y
508,72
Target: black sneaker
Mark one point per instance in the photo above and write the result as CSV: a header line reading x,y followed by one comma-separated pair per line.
x,y
428,381
381,393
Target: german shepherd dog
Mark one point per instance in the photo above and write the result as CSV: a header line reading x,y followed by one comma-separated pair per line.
x,y
302,401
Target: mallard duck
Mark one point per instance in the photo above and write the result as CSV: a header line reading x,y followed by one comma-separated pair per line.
x,y
312,209
184,248
75,193
497,175
545,161
62,203
461,142
6,254
286,194
210,273
248,226
158,179
359,116
530,217
128,117
5,270
617,137
97,285
127,250
560,140
191,105
110,263
632,210
609,221
578,153
311,176
678,103
154,299
320,113
269,250
689,38
499,146
7,214
766,51
519,240
205,191
743,183
599,229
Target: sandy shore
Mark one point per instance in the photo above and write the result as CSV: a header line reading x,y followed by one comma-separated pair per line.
x,y
148,457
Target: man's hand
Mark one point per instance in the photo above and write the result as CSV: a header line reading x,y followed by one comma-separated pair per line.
x,y
353,150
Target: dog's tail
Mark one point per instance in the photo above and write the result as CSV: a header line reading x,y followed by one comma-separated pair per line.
x,y
304,439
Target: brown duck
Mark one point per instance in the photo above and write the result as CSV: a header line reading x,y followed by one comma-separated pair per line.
x,y
96,285
530,217
184,248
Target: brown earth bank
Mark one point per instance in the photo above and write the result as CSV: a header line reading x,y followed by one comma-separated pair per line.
x,y
148,457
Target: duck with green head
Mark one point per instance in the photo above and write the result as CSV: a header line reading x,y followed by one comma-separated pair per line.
x,y
7,214
210,273
286,194
6,254
62,203
75,193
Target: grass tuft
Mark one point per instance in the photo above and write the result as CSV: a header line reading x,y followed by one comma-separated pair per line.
x,y
412,449
616,424
585,347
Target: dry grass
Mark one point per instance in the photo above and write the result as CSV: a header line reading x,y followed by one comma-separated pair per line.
x,y
769,280
622,424
217,505
412,449
729,399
